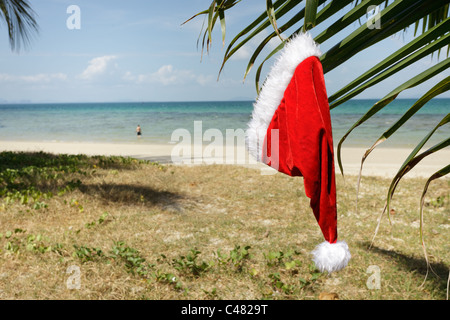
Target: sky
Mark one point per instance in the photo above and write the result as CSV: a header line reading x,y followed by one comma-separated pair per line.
x,y
140,50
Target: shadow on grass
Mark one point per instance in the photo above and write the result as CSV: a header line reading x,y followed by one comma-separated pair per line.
x,y
26,175
438,275
20,160
134,195
163,160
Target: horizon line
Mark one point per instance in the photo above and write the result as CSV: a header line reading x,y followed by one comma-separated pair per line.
x,y
173,101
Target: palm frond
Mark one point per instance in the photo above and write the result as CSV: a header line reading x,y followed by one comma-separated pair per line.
x,y
441,173
259,25
394,18
441,87
411,161
415,81
20,20
322,15
310,14
395,58
272,18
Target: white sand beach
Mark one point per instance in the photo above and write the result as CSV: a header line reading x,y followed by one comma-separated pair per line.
x,y
382,162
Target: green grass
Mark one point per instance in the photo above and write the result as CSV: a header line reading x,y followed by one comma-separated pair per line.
x,y
141,230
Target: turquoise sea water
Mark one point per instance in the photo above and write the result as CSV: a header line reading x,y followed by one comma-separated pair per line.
x,y
116,122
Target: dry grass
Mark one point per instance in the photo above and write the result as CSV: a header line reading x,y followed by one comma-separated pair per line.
x,y
140,222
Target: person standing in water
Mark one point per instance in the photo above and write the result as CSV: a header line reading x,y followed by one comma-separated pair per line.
x,y
138,131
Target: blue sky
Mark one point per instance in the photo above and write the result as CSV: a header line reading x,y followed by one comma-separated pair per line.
x,y
138,51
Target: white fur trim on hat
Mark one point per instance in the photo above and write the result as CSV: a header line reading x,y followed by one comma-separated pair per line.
x,y
331,256
300,47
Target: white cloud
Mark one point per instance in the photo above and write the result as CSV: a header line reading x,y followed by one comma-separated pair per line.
x,y
204,80
97,66
42,77
128,76
37,78
168,75
5,77
244,53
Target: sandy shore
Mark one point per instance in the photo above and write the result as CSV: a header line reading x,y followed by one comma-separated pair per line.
x,y
382,162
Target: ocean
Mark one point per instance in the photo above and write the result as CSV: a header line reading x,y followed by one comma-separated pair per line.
x,y
116,122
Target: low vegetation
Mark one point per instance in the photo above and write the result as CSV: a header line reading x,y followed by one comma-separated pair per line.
x,y
78,227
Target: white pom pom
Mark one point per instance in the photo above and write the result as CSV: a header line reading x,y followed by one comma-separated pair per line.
x,y
331,256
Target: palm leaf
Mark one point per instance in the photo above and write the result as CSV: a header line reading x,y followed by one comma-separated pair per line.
x,y
272,17
432,19
397,56
261,18
211,21
427,74
441,87
258,71
325,13
260,24
396,21
216,10
438,89
406,62
411,161
395,17
20,21
347,19
223,25
441,173
310,14
263,43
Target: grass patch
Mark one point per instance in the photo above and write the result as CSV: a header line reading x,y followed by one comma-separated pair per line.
x,y
141,230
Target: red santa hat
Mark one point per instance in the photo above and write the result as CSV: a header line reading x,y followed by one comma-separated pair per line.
x,y
290,130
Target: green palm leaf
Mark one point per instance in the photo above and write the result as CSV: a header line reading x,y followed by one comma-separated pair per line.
x,y
347,19
260,24
436,45
398,56
310,14
440,88
395,17
325,13
216,10
263,43
272,17
331,59
427,74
